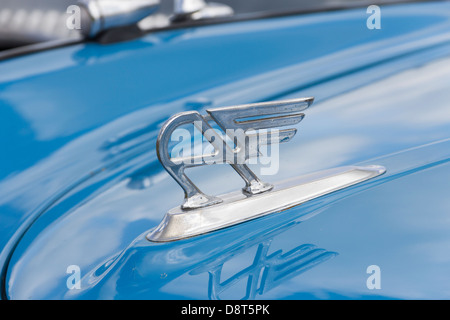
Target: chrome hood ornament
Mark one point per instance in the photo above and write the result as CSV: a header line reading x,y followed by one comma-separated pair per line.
x,y
236,121
246,128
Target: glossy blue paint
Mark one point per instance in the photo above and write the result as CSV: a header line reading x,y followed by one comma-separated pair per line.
x,y
80,183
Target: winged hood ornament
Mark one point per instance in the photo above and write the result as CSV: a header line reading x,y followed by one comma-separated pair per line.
x,y
245,129
244,118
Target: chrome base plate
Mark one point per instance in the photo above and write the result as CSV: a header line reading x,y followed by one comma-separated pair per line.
x,y
237,207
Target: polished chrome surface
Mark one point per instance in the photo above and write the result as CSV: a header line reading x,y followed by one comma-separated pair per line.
x,y
248,119
237,207
188,6
199,9
101,15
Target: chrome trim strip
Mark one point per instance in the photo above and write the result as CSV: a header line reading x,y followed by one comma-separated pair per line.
x,y
101,15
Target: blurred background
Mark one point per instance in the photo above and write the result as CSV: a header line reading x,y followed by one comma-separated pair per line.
x,y
24,22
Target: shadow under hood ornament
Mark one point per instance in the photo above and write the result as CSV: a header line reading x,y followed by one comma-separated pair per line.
x,y
246,128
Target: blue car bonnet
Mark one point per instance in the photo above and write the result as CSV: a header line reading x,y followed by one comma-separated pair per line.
x,y
80,182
